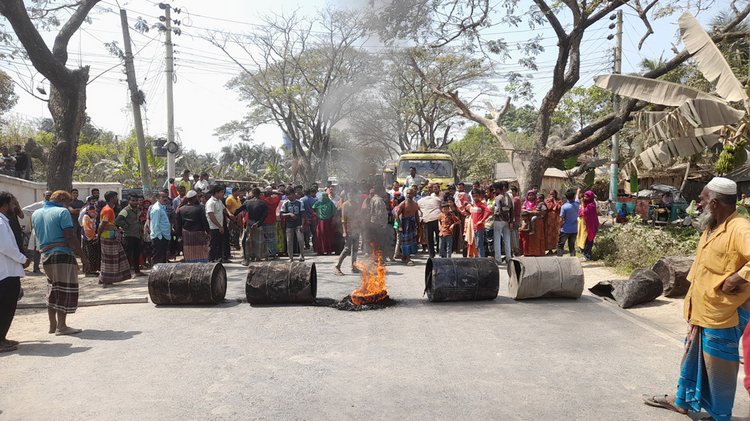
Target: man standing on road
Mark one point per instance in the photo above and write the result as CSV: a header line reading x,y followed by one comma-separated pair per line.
x,y
503,224
215,214
12,263
160,228
127,220
114,262
408,220
714,308
430,206
254,247
569,228
56,235
350,225
291,210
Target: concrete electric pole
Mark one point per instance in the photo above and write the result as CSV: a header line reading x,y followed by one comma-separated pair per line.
x,y
170,80
613,183
136,99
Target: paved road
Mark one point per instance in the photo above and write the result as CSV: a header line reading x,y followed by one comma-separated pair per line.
x,y
538,359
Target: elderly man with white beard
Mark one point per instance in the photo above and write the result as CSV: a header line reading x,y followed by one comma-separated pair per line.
x,y
714,308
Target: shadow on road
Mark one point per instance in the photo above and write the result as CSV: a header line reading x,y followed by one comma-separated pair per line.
x,y
45,349
108,335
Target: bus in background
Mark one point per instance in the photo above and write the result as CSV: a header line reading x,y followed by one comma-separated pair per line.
x,y
436,166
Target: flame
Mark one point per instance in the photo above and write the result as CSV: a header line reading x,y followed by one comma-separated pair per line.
x,y
373,287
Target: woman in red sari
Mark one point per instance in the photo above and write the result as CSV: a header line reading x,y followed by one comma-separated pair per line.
x,y
552,220
532,235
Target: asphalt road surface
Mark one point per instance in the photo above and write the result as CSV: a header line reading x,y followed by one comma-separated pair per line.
x,y
530,360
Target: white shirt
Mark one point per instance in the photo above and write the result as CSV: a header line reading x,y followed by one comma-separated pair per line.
x,y
202,184
214,205
11,259
430,206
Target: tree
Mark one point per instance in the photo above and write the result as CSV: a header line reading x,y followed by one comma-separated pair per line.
x,y
530,165
476,154
699,120
8,97
306,76
404,114
67,97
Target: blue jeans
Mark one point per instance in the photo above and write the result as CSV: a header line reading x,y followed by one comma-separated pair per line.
x,y
479,241
501,236
446,246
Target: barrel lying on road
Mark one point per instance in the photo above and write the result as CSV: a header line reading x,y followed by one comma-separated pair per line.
x,y
281,283
461,279
187,283
537,277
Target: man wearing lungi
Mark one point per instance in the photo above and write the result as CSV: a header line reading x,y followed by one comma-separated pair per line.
x,y
114,262
714,308
408,220
57,237
254,247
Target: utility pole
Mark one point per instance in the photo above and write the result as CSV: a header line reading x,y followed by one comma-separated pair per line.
x,y
167,19
613,183
136,99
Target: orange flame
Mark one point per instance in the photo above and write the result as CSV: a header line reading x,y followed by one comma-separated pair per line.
x,y
373,287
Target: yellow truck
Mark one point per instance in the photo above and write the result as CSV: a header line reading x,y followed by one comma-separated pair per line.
x,y
436,167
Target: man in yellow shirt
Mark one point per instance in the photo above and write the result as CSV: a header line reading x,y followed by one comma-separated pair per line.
x,y
185,181
233,203
714,308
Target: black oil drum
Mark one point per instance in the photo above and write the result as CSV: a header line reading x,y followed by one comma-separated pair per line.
x,y
461,279
187,283
281,283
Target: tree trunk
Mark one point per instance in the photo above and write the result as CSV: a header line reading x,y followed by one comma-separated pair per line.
x,y
529,168
67,104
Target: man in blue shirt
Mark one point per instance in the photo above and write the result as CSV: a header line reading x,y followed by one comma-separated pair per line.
x,y
569,228
308,225
57,240
161,229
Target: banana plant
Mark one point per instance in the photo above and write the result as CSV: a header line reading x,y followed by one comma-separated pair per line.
x,y
698,120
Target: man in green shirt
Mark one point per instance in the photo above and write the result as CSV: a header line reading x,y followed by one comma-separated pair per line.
x,y
127,220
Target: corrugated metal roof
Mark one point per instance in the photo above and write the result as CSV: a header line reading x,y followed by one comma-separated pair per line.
x,y
740,174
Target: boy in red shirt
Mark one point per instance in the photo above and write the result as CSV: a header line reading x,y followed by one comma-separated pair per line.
x,y
479,214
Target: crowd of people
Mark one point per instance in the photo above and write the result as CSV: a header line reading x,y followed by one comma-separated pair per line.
x,y
202,221
18,164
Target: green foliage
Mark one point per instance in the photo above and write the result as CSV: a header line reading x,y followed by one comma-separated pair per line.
x,y
520,119
581,106
731,156
635,245
476,154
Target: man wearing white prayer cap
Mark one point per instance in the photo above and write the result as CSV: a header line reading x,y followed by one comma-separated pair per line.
x,y
715,308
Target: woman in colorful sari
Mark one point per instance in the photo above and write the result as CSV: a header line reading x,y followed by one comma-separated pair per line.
x,y
90,240
591,221
532,237
552,220
324,211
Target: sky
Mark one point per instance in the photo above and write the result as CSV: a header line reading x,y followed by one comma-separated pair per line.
x,y
201,100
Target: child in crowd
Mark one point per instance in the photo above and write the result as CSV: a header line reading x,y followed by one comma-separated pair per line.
x,y
448,223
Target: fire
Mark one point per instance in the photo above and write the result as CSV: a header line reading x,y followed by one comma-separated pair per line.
x,y
373,281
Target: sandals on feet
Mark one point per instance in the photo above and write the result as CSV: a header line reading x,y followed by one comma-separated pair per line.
x,y
662,401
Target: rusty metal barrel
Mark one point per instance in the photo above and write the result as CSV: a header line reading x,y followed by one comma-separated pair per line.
x,y
281,283
187,283
461,279
537,277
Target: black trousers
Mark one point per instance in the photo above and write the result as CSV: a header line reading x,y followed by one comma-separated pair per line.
x,y
133,248
226,248
216,246
432,229
569,238
160,248
10,287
